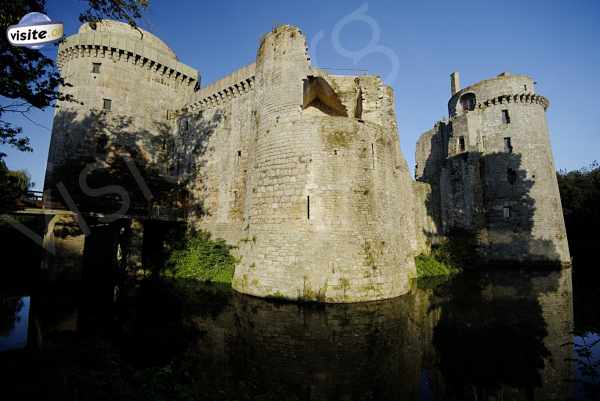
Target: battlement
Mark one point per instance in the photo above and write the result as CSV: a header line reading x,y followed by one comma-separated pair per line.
x,y
233,85
530,98
128,49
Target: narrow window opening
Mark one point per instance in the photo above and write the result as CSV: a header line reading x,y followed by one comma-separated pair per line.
x,y
184,125
107,104
358,108
468,101
101,143
461,143
373,155
239,153
511,176
96,68
308,207
481,170
508,148
505,117
506,212
525,87
483,142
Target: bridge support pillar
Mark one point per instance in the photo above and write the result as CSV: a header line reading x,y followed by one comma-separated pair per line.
x,y
63,242
136,243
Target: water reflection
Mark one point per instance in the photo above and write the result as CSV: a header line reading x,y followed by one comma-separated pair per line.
x,y
14,322
505,336
489,336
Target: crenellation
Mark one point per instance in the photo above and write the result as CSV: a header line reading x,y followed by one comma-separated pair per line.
x,y
301,170
491,172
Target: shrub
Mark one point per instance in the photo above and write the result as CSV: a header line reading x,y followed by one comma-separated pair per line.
x,y
204,259
429,266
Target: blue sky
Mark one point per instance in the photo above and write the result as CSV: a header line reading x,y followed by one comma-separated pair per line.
x,y
418,44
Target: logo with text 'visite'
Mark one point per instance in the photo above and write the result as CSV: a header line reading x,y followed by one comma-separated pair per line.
x,y
34,31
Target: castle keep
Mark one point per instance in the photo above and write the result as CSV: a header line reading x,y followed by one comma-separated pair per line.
x,y
298,168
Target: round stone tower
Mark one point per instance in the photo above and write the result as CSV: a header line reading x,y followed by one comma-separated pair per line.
x,y
499,178
123,81
326,205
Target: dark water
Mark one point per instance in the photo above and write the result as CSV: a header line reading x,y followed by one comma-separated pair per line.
x,y
487,336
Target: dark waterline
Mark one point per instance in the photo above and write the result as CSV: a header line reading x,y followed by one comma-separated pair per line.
x,y
493,335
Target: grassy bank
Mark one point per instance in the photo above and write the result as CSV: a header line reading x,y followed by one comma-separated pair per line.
x,y
453,255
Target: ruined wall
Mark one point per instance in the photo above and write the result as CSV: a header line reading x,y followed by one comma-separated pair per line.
x,y
303,172
123,82
324,204
492,163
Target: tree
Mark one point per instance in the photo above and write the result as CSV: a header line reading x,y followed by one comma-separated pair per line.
x,y
14,185
580,196
29,79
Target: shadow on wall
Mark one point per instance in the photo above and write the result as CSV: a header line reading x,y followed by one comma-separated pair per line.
x,y
508,346
120,164
489,197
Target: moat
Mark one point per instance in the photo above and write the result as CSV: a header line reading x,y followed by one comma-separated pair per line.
x,y
477,336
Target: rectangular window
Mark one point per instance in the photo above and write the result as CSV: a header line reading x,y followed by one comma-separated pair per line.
x,y
483,142
96,68
508,148
107,104
308,207
461,143
506,212
505,117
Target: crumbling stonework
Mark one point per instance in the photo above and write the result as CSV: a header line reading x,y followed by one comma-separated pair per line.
x,y
303,171
491,172
300,169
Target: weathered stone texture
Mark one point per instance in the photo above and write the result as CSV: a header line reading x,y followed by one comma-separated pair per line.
x,y
318,200
141,78
492,163
301,170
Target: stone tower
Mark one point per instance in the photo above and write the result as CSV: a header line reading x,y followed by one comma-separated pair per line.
x,y
492,174
123,81
325,206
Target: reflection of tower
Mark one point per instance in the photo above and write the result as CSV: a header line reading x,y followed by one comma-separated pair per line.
x,y
514,345
492,173
366,351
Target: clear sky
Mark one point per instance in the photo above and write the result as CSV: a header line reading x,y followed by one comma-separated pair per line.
x,y
414,45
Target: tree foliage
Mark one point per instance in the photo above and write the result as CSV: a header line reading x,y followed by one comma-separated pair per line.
x,y
580,197
14,185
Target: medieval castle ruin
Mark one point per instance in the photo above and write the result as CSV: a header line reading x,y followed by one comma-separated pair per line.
x,y
298,168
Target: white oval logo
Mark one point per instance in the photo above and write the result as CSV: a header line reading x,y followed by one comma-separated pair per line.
x,y
34,31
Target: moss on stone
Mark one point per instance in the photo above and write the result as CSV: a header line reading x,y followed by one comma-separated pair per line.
x,y
339,139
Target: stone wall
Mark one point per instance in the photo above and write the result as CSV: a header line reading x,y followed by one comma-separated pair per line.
x,y
492,162
123,82
303,172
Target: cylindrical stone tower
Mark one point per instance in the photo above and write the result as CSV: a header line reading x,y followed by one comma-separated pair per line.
x,y
499,178
329,197
123,81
